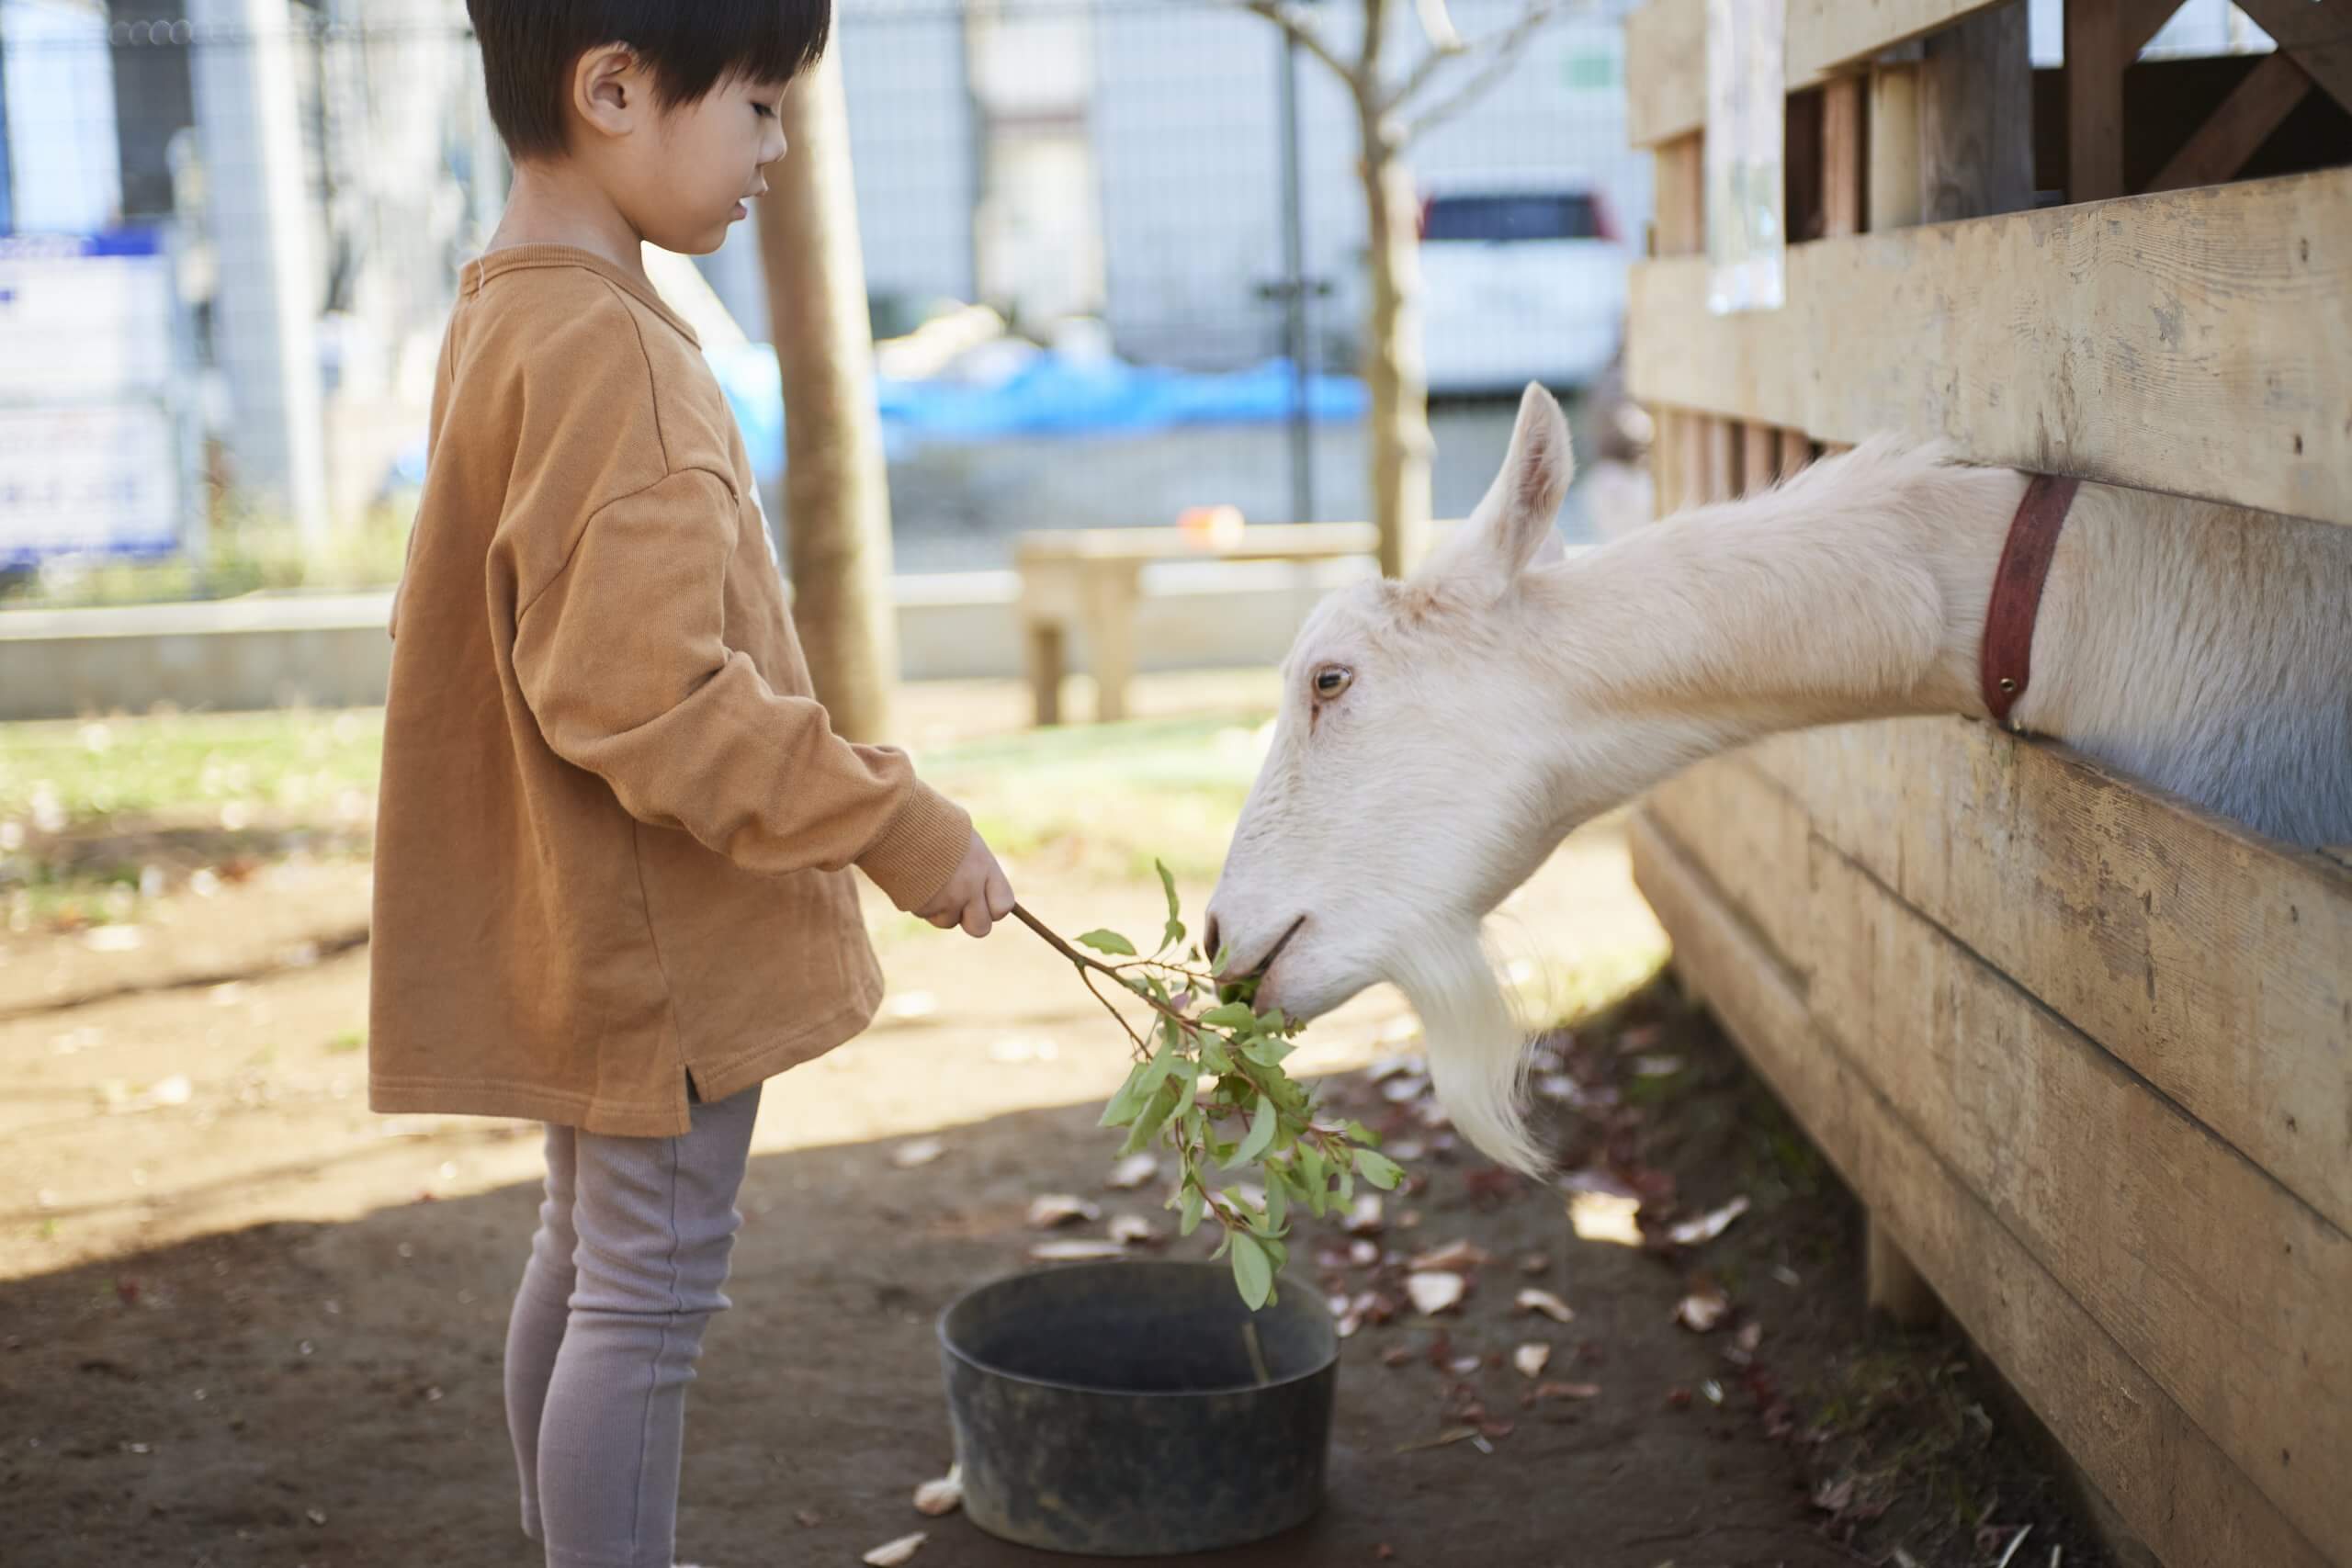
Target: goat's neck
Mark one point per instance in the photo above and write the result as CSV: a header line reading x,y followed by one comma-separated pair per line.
x,y
1856,592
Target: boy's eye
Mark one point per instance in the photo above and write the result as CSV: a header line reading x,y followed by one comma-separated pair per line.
x,y
765,111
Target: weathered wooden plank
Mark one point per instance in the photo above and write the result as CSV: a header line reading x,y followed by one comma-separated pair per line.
x,y
1759,456
1895,146
2203,957
2170,1482
2192,342
2096,52
2318,33
1844,178
1666,51
1976,118
2233,133
2222,1286
1722,461
1796,451
1666,71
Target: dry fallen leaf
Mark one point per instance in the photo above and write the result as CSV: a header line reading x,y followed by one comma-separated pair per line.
x,y
1449,1436
1544,1302
919,1151
1463,1366
1133,1230
1567,1390
1363,1253
1750,1335
890,1554
1054,1209
1135,1172
1701,1310
1534,1264
1453,1254
942,1496
1075,1251
1365,1217
1531,1359
1436,1292
1709,1226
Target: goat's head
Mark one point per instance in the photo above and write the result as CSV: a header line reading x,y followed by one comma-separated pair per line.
x,y
1410,786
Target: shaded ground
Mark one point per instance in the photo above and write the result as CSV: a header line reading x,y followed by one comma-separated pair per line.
x,y
244,1322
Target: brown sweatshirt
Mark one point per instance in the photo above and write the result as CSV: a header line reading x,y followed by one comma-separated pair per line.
x,y
615,825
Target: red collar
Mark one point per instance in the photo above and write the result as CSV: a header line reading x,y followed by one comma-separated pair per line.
x,y
2005,663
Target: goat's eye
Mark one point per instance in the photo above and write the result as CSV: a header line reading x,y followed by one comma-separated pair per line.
x,y
1331,680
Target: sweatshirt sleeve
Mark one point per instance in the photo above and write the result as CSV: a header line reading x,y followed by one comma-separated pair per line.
x,y
623,658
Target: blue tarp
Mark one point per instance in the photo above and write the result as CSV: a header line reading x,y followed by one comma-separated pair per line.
x,y
1048,395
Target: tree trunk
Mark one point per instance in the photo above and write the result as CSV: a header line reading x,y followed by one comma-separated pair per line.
x,y
1392,364
837,498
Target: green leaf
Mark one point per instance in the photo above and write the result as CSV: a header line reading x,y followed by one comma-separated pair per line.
x,y
1262,1127
1317,1178
1360,1133
1109,942
1188,1217
1230,1015
1175,933
1253,1270
1155,1116
1379,1170
1277,1203
1128,1103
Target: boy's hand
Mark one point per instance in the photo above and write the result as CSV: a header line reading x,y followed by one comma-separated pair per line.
x,y
976,898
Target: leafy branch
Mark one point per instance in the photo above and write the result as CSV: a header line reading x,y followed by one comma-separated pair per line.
x,y
1208,1084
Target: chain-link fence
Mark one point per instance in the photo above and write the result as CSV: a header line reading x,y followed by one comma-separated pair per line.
x,y
232,230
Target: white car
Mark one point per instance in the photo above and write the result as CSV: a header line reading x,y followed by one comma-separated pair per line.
x,y
1520,286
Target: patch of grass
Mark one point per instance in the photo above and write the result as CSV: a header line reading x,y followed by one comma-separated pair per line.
x,y
344,1045
1108,799
224,767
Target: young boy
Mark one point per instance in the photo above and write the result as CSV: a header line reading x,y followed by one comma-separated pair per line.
x,y
612,884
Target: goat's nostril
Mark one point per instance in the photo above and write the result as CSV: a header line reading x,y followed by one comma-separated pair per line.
x,y
1209,935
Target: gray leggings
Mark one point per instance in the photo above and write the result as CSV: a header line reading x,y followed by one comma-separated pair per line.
x,y
625,1272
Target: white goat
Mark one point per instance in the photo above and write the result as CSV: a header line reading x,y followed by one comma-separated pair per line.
x,y
1438,737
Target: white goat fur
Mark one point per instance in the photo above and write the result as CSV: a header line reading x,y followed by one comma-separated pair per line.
x,y
1507,693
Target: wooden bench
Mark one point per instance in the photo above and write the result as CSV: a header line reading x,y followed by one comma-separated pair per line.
x,y
1092,579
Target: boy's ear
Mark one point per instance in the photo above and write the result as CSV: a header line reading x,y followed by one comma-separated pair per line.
x,y
607,88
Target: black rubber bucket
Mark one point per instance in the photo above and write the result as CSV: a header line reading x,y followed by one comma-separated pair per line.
x,y
1115,1409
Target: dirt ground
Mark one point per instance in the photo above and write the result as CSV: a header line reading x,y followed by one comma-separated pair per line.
x,y
242,1321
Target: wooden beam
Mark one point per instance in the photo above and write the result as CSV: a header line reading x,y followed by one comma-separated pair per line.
x,y
1721,440
1844,156
1759,456
2192,342
2098,49
2238,128
2170,1481
2142,20
1666,51
1894,158
1681,180
2318,33
1665,72
1892,1283
1976,118
1795,452
2217,1282
2201,955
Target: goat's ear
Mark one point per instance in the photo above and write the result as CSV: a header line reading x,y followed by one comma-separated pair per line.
x,y
1512,527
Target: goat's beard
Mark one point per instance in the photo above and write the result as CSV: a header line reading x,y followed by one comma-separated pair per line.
x,y
1476,1045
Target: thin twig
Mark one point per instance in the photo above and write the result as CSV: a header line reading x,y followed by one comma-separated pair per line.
x,y
1438,24
1502,51
1310,38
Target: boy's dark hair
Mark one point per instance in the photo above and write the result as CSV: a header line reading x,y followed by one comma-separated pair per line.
x,y
529,47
